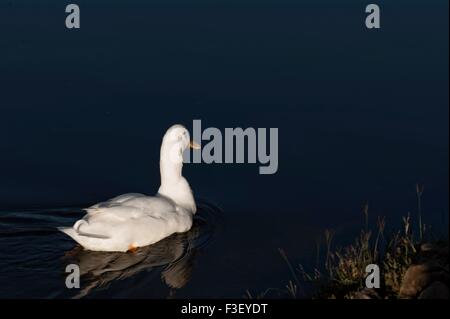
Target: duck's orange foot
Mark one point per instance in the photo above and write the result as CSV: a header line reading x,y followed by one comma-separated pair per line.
x,y
132,249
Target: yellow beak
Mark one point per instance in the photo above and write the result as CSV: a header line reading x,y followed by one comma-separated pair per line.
x,y
194,145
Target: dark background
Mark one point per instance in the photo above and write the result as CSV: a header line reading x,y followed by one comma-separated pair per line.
x,y
362,114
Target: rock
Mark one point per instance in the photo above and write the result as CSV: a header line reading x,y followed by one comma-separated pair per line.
x,y
437,290
418,277
366,293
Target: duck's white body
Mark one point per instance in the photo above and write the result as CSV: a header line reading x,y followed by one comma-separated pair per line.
x,y
134,220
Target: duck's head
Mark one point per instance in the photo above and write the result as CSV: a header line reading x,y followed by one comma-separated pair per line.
x,y
175,142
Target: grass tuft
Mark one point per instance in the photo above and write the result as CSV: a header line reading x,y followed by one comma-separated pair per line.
x,y
343,273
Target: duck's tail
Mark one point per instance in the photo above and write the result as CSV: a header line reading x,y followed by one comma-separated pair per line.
x,y
75,232
69,231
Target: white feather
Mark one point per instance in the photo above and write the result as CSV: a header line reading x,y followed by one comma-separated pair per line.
x,y
136,220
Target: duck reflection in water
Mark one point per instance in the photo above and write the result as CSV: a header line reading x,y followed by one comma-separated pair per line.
x,y
175,255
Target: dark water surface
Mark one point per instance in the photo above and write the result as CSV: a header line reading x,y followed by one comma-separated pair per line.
x,y
216,258
362,116
35,256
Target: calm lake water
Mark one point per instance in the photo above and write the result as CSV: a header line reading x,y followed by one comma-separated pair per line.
x,y
362,117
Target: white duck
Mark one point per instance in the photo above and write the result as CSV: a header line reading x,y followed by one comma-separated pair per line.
x,y
129,221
